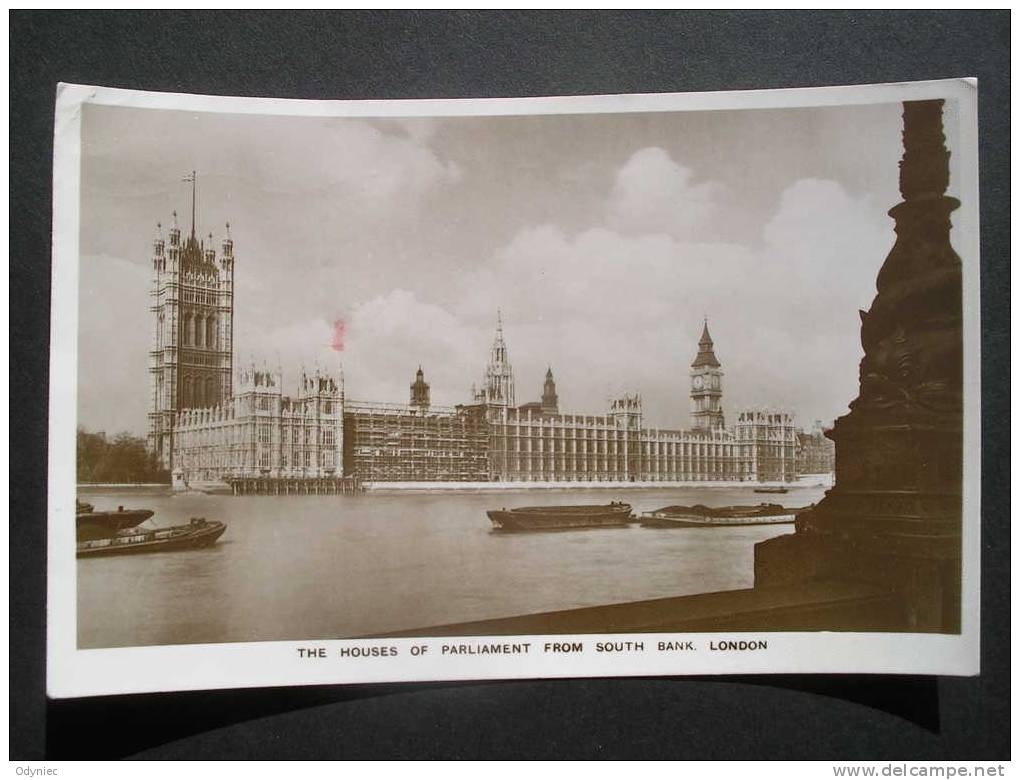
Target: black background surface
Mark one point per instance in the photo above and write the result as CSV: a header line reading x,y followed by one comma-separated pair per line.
x,y
472,54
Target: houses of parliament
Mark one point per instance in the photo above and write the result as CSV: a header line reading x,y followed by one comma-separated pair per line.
x,y
207,423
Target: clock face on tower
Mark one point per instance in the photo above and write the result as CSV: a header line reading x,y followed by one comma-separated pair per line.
x,y
698,382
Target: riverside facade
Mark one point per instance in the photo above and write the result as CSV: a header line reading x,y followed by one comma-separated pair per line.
x,y
205,429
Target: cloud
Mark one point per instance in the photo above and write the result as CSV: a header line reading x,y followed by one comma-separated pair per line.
x,y
829,244
385,340
653,193
113,292
615,311
610,312
414,234
372,160
321,189
391,335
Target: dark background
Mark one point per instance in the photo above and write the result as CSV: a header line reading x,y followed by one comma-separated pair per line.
x,y
472,54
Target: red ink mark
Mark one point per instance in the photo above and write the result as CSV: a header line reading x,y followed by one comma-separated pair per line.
x,y
339,329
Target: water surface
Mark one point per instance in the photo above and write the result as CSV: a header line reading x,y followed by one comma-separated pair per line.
x,y
321,567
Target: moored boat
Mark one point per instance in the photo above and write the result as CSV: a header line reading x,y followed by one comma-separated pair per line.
x,y
543,518
90,524
700,516
771,489
199,532
121,532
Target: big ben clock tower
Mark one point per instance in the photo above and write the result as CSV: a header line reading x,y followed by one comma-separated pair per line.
x,y
706,387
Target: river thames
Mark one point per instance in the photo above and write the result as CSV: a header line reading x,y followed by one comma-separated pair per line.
x,y
331,567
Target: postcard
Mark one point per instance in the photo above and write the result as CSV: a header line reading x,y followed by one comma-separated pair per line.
x,y
359,391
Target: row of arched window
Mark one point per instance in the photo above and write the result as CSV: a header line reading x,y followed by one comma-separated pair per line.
x,y
198,392
199,331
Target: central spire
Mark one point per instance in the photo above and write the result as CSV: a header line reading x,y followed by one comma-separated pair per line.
x,y
498,355
498,386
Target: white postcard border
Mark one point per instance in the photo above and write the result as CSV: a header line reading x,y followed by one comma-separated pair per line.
x,y
72,672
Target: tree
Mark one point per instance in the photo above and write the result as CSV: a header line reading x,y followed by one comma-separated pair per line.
x,y
125,459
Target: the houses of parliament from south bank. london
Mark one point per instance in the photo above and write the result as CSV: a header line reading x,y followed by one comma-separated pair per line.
x,y
205,428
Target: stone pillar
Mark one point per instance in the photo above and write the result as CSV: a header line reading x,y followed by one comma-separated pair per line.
x,y
894,515
177,481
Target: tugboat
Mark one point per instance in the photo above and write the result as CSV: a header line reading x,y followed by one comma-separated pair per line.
x,y
118,533
544,518
700,516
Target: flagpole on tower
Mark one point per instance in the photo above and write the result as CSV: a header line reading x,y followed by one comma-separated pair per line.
x,y
192,178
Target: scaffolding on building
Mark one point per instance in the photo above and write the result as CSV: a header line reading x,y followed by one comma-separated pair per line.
x,y
386,442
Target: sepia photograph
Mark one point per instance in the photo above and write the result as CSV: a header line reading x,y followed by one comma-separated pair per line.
x,y
463,389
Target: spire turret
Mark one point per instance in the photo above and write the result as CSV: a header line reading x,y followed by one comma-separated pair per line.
x,y
550,401
420,396
706,350
175,232
158,244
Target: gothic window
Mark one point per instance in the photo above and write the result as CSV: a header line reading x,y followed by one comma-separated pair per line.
x,y
210,392
210,332
190,337
186,392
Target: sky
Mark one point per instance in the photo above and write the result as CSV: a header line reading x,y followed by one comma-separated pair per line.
x,y
604,240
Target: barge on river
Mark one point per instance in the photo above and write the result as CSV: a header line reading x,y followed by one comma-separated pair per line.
x,y
700,516
546,518
121,533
